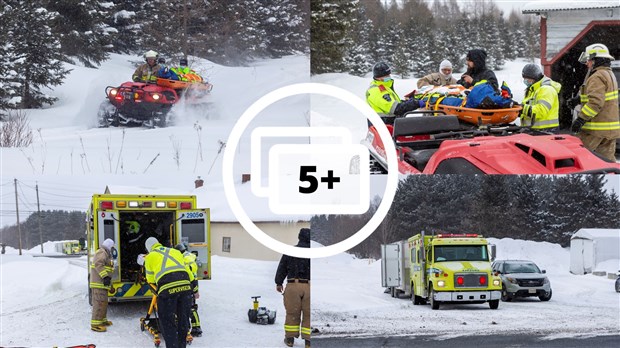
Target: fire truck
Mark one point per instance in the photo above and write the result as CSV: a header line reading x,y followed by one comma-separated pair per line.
x,y
129,220
442,268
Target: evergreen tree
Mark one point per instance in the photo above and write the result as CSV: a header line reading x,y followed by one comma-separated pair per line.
x,y
331,21
33,51
359,59
81,27
5,78
286,27
124,19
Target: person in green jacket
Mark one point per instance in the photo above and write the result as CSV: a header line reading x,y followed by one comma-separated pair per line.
x,y
190,261
541,105
166,269
382,97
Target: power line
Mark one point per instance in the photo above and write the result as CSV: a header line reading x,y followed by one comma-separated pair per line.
x,y
59,195
23,198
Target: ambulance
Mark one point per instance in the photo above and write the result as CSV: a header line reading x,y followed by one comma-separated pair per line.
x,y
129,220
442,268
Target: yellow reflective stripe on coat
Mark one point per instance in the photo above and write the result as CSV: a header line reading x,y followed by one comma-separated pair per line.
x,y
583,98
602,125
546,124
291,328
588,111
95,285
611,95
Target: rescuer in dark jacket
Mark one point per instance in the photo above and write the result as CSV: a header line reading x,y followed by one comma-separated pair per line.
x,y
297,292
477,70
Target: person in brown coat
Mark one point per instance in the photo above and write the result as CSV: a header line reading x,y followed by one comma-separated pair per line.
x,y
597,123
101,270
297,292
147,72
441,78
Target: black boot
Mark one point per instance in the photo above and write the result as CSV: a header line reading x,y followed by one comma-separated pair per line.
x,y
289,341
196,332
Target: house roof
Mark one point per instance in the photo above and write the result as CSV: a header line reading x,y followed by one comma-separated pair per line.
x,y
568,5
596,233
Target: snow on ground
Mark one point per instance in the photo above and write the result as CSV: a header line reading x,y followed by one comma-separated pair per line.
x,y
49,306
348,300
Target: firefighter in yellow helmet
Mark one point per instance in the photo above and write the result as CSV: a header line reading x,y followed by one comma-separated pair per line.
x,y
166,269
597,123
147,72
100,279
190,261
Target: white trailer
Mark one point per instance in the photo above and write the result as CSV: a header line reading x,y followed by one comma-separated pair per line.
x,y
395,268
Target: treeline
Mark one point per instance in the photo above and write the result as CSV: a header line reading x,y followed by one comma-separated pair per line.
x,y
414,36
55,225
38,35
538,208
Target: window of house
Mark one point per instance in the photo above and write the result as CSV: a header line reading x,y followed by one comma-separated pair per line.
x,y
226,244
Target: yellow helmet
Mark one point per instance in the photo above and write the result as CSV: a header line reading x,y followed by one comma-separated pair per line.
x,y
596,50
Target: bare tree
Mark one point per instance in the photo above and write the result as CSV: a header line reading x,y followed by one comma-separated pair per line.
x,y
16,131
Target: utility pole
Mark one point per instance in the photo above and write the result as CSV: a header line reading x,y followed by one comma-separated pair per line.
x,y
39,211
19,230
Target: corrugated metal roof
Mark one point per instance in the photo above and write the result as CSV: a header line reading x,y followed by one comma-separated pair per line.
x,y
568,5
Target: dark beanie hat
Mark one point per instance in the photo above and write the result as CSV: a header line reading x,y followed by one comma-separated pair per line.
x,y
304,235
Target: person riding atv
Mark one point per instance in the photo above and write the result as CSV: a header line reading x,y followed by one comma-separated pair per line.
x,y
147,72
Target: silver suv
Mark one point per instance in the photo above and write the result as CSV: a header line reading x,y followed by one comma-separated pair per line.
x,y
522,278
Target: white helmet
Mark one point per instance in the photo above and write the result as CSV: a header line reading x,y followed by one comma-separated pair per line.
x,y
150,54
596,50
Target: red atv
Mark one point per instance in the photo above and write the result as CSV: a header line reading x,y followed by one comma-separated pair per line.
x,y
137,103
148,104
441,145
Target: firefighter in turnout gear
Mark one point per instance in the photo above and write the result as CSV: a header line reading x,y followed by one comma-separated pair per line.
x,y
382,97
147,72
541,102
597,123
297,292
100,279
190,261
166,269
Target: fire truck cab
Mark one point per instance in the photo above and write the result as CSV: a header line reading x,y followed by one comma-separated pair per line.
x,y
129,220
452,268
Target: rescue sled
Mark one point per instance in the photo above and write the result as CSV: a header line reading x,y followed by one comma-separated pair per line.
x,y
442,145
192,91
481,116
434,98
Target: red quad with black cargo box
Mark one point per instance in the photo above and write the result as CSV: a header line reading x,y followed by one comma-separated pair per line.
x,y
440,145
